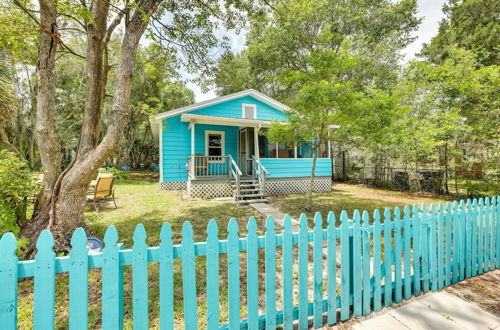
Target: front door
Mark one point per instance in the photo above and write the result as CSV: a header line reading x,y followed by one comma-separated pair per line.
x,y
246,150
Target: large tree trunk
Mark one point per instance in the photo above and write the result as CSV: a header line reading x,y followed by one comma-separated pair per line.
x,y
64,213
45,131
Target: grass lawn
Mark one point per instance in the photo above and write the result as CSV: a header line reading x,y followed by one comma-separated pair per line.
x,y
139,200
350,197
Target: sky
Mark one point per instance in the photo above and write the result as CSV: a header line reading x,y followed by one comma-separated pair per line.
x,y
429,10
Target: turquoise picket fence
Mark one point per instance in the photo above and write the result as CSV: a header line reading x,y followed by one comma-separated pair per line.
x,y
383,260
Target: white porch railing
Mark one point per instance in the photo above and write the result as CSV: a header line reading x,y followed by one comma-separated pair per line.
x,y
208,166
260,173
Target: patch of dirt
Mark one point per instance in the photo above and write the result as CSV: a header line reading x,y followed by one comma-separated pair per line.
x,y
389,196
482,290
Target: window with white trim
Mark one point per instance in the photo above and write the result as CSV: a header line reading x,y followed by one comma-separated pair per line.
x,y
248,111
214,143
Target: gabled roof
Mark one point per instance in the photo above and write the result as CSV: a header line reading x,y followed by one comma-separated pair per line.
x,y
248,92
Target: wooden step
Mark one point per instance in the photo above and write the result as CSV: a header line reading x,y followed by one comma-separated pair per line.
x,y
250,195
248,201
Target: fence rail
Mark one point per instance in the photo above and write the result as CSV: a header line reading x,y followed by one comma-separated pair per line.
x,y
383,259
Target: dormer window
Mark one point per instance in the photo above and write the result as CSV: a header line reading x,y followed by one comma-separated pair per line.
x,y
249,111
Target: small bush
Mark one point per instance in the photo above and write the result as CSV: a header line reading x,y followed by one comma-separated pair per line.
x,y
16,185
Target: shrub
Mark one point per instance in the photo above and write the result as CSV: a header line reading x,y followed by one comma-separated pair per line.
x,y
16,185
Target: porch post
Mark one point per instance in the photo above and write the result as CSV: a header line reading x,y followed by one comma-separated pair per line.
x,y
295,151
329,149
256,143
277,151
160,130
193,159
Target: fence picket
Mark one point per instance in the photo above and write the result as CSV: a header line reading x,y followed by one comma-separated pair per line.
x,y
492,233
8,278
497,223
366,264
487,232
167,279
189,277
468,239
440,246
416,251
377,290
407,252
270,282
356,267
495,232
233,274
424,248
461,236
213,278
140,278
318,271
78,281
474,236
287,273
397,260
111,311
252,275
387,258
448,219
45,282
332,268
480,238
303,273
432,219
344,267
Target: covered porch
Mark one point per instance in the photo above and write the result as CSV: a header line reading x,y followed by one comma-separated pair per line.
x,y
223,148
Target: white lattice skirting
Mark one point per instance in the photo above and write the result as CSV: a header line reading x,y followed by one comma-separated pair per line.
x,y
297,185
177,185
211,190
282,186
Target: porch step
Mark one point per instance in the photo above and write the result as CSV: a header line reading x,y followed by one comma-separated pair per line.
x,y
249,195
248,201
249,191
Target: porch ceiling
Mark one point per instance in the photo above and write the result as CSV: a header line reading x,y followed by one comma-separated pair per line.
x,y
226,121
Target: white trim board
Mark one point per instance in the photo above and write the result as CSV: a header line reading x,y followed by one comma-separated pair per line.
x,y
225,121
249,92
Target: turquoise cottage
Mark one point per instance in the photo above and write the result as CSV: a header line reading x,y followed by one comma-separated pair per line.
x,y
213,149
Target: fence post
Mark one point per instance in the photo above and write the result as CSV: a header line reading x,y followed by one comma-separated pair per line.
x,y
318,271
78,281
377,290
345,266
233,274
8,278
387,258
270,281
332,268
167,278
303,272
287,273
189,277
252,275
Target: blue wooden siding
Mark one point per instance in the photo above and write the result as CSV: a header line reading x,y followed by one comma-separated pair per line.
x,y
176,148
232,109
176,145
296,167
